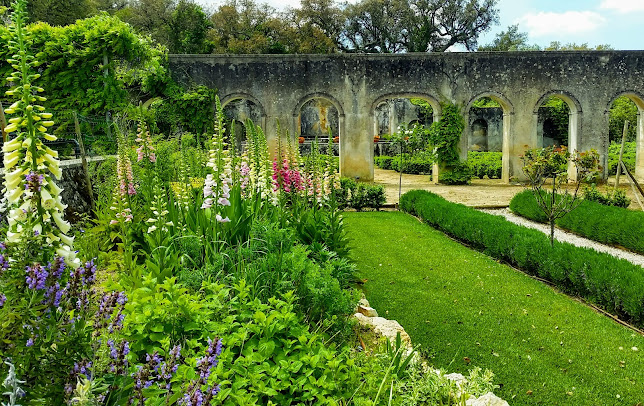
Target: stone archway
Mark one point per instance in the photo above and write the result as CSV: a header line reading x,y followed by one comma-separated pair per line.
x,y
574,123
507,144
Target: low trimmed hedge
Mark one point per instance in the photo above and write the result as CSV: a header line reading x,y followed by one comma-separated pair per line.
x,y
481,164
414,165
614,284
595,221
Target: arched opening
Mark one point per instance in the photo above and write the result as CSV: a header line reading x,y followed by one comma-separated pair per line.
x,y
396,113
626,106
553,122
558,118
237,111
488,124
319,120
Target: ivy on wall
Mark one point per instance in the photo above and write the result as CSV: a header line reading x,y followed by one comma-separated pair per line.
x,y
445,135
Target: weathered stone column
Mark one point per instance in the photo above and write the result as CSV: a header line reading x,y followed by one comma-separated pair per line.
x,y
639,142
356,146
521,136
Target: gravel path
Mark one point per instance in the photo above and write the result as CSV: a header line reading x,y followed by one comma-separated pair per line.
x,y
565,236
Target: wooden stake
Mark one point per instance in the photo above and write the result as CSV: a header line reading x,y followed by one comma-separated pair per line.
x,y
3,123
633,183
621,154
88,181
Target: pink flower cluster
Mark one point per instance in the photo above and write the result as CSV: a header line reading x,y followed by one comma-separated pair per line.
x,y
286,179
124,175
146,147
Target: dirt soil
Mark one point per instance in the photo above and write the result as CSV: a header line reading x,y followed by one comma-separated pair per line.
x,y
484,193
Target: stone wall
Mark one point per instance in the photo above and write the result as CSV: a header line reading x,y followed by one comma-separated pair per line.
x,y
356,84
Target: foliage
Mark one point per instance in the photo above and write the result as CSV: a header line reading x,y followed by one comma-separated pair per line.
x,y
554,113
459,174
485,164
606,224
58,12
188,110
73,70
510,40
445,135
628,158
249,28
415,26
614,284
616,198
621,110
514,40
358,195
540,165
417,164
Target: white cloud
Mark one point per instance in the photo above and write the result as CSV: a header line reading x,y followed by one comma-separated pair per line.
x,y
569,22
623,6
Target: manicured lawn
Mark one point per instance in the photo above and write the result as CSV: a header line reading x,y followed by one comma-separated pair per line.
x,y
544,347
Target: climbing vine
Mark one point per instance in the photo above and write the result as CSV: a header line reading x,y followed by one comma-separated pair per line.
x,y
445,135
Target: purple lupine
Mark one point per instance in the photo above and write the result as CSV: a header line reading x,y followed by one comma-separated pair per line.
x,y
36,276
144,377
196,394
30,342
119,353
106,317
53,295
80,284
3,299
4,263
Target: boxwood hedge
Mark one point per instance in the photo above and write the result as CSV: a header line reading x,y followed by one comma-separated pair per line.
x,y
606,224
614,284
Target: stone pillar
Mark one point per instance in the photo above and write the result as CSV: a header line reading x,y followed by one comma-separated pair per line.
x,y
507,139
356,146
639,148
521,136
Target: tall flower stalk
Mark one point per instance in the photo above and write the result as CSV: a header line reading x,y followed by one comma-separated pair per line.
x,y
33,199
218,181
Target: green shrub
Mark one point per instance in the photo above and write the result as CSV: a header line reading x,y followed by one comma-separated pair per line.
x,y
357,195
606,224
411,164
617,198
628,157
459,174
615,284
485,164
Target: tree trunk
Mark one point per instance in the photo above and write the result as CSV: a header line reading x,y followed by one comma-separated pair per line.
x,y
552,232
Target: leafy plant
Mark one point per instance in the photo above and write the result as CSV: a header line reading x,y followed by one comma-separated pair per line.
x,y
616,198
540,165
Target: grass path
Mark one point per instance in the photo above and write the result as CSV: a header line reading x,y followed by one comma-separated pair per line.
x,y
544,347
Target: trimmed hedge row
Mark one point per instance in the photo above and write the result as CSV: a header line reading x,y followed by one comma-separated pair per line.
x,y
415,165
606,224
612,283
481,164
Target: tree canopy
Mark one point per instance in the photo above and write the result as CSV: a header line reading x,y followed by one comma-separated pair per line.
x,y
514,40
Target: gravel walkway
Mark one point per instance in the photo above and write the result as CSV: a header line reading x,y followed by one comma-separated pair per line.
x,y
565,236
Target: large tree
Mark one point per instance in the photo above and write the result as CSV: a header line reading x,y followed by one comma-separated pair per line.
x,y
188,29
57,12
246,27
415,25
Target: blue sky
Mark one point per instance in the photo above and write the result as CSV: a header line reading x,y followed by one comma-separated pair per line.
x,y
613,22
